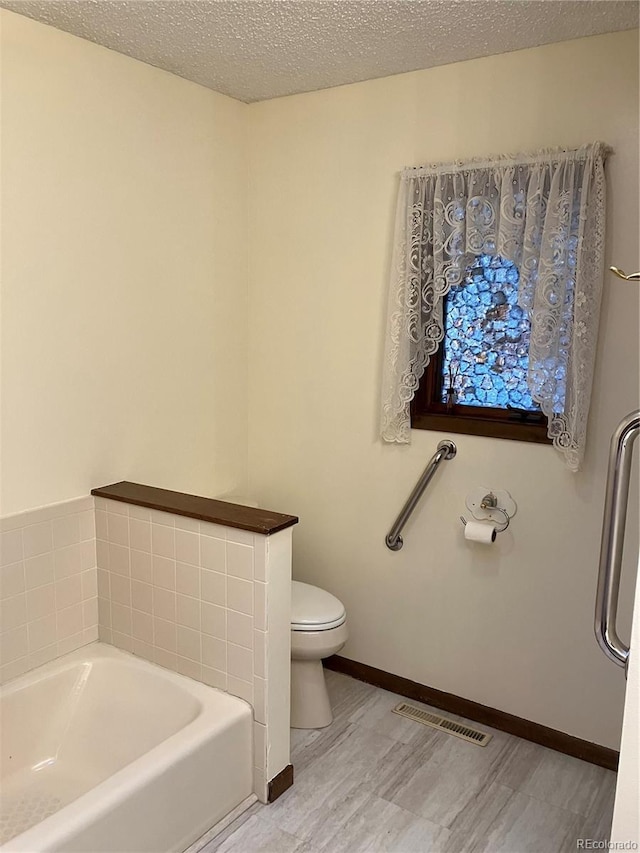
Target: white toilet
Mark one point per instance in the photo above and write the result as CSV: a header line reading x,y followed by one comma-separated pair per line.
x,y
318,630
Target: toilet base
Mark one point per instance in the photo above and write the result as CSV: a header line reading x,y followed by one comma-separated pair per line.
x,y
310,707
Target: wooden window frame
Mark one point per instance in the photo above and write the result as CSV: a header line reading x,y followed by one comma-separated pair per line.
x,y
429,412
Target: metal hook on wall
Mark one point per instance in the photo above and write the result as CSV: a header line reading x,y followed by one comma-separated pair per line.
x,y
634,276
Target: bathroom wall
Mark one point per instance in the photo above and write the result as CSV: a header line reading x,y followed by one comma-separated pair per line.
x,y
123,274
48,584
508,626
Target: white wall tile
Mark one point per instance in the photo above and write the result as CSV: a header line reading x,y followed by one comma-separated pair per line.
x,y
217,531
163,540
104,613
70,644
214,677
10,547
188,643
102,554
260,605
14,669
259,705
87,522
259,745
188,611
240,595
241,689
89,614
42,656
214,653
117,507
37,539
188,579
39,570
164,634
164,658
213,587
104,634
68,591
120,618
259,654
104,583
140,534
66,530
122,641
102,530
188,547
239,662
41,601
14,645
164,572
164,604
89,581
119,559
88,558
241,537
143,649
141,566
240,629
190,668
42,632
260,552
142,596
90,635
260,785
140,512
118,529
12,580
213,620
166,518
240,560
69,621
142,626
67,561
13,612
213,554
121,590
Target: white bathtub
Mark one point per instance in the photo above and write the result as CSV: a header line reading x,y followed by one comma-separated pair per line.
x,y
102,751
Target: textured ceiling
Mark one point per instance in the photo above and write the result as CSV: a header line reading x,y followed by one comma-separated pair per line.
x,y
258,49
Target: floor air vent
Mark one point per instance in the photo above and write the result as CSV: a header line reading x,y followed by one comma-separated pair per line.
x,y
436,722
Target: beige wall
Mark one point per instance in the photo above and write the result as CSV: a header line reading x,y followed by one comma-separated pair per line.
x,y
124,274
508,626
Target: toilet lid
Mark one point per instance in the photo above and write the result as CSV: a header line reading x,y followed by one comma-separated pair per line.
x,y
314,609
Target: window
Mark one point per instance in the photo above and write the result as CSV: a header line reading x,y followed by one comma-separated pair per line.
x,y
477,381
458,225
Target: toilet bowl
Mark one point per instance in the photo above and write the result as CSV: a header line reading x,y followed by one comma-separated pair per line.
x,y
318,630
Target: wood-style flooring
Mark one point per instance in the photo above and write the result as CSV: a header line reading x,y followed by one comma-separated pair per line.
x,y
375,781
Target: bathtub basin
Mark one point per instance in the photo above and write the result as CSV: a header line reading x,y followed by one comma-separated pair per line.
x,y
102,751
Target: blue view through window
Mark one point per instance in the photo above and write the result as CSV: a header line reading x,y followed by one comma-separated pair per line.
x,y
486,340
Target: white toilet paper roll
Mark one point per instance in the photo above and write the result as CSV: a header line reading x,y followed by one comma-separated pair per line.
x,y
480,531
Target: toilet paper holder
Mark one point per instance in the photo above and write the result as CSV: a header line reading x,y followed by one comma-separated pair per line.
x,y
489,504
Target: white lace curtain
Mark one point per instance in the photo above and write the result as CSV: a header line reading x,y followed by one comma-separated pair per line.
x,y
546,213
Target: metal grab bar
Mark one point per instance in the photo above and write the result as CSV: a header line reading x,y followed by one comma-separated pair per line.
x,y
446,450
613,525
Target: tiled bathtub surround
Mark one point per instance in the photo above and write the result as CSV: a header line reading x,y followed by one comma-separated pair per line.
x,y
48,584
209,601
